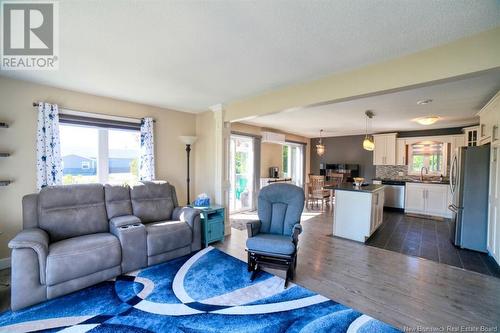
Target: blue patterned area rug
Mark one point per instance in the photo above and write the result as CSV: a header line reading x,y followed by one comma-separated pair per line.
x,y
209,291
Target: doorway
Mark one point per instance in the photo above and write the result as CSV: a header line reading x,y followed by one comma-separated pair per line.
x,y
294,163
241,195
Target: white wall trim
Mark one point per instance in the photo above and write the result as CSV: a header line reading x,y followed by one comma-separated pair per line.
x,y
4,263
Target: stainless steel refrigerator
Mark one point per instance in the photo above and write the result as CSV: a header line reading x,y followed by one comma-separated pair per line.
x,y
469,179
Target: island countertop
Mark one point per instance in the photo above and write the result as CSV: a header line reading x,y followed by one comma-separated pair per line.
x,y
350,187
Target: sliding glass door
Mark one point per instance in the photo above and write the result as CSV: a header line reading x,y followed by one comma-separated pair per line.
x,y
241,173
293,163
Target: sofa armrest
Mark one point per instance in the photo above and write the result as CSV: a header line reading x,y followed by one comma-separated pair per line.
x,y
191,216
122,221
297,230
37,240
186,214
253,228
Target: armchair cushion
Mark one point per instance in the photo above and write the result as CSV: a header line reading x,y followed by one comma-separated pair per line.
x,y
280,207
166,236
80,256
37,240
185,214
272,244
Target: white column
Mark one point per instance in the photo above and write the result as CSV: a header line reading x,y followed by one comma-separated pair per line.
x,y
221,158
102,159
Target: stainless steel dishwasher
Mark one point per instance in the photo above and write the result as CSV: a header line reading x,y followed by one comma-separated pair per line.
x,y
394,192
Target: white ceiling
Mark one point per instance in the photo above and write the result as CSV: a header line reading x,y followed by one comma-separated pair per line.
x,y
457,103
189,55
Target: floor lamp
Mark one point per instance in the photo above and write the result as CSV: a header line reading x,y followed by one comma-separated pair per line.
x,y
188,141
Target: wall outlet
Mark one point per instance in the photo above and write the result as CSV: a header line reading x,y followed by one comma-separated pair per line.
x,y
401,174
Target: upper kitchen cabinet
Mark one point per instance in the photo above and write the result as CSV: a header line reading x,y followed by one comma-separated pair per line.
x,y
489,121
471,135
401,152
385,149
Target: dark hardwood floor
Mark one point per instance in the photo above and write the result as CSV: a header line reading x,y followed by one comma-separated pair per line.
x,y
429,239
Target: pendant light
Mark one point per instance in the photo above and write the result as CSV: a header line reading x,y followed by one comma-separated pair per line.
x,y
368,143
320,147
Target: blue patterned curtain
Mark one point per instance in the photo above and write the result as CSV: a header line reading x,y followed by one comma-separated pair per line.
x,y
147,163
48,148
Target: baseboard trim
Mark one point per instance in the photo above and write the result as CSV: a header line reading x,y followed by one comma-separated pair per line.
x,y
4,263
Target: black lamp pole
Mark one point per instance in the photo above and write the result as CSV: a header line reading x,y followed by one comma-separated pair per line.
x,y
188,150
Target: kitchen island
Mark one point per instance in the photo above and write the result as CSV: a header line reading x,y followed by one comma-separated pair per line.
x,y
358,211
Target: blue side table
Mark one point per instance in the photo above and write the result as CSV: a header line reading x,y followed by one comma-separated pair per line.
x,y
212,224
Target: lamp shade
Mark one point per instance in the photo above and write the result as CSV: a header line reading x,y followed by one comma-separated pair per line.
x,y
187,139
320,149
368,144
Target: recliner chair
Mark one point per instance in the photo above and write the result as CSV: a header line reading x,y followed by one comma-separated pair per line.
x,y
75,236
272,240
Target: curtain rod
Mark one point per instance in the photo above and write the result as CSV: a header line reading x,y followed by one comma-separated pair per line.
x,y
35,104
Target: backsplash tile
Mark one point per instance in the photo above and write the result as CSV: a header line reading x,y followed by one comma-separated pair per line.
x,y
391,171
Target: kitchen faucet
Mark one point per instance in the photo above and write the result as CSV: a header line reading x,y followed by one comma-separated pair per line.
x,y
422,173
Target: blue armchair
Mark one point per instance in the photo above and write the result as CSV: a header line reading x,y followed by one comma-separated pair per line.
x,y
272,240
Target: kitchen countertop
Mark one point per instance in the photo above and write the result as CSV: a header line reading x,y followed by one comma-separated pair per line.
x,y
444,182
350,187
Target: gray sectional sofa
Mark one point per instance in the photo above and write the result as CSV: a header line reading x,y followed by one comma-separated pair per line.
x,y
75,236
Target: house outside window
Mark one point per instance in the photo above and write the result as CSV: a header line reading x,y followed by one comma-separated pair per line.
x,y
94,153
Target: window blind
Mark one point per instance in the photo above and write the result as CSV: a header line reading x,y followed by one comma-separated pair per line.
x,y
98,122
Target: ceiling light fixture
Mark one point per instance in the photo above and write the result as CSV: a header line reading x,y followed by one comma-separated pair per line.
x,y
368,143
320,147
424,101
429,120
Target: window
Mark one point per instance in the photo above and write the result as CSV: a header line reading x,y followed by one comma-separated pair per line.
x,y
94,154
430,155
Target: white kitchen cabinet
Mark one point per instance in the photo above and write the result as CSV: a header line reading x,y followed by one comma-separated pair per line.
x,y
414,198
489,121
401,153
489,124
385,149
471,135
358,213
494,205
427,199
457,141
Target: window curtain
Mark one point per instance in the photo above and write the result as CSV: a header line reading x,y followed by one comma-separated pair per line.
x,y
48,148
147,163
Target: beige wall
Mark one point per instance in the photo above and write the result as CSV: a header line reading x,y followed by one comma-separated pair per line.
x,y
271,155
204,150
16,109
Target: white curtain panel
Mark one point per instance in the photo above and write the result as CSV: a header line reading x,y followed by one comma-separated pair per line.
x,y
48,147
147,163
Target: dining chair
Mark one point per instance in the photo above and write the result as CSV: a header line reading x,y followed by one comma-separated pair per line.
x,y
316,192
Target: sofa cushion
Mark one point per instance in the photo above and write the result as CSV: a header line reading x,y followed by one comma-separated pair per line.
x,y
167,235
153,201
80,256
269,243
72,210
117,199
